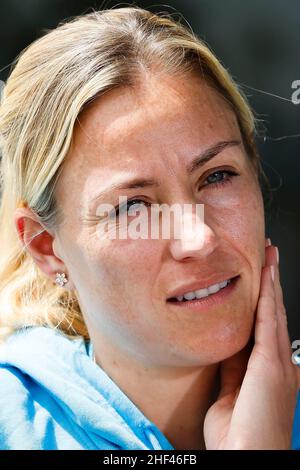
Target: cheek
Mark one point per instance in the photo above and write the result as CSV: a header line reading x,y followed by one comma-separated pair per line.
x,y
238,220
119,271
237,213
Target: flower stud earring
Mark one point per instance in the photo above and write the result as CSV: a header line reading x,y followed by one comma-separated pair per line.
x,y
61,279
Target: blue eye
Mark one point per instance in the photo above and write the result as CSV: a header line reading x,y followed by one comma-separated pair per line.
x,y
220,177
216,178
125,207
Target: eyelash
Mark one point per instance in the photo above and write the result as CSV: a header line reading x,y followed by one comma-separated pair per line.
x,y
230,174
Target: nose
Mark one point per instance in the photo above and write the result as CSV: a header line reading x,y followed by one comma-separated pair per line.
x,y
196,239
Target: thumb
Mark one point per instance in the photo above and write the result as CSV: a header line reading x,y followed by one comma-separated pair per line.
x,y
232,371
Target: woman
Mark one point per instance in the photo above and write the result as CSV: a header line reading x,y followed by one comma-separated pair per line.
x,y
136,342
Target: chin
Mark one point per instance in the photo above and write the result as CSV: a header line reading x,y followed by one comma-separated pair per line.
x,y
228,345
222,343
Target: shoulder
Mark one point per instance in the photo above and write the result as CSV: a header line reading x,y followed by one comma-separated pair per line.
x,y
31,416
53,396
17,410
13,384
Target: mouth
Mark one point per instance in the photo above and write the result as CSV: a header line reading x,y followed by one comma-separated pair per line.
x,y
210,296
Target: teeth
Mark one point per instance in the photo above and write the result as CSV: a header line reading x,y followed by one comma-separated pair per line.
x,y
189,295
201,293
224,283
214,288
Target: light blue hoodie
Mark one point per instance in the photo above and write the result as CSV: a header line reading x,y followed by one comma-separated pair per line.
x,y
53,396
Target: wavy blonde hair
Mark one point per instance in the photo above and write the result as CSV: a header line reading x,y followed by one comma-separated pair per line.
x,y
53,80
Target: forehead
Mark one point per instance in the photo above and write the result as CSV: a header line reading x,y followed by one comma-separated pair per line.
x,y
166,120
160,106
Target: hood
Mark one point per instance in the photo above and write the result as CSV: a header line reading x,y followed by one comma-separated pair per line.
x,y
63,370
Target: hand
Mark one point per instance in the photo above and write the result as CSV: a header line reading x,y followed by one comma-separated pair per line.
x,y
258,390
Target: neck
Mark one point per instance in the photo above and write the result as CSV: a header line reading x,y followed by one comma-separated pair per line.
x,y
174,399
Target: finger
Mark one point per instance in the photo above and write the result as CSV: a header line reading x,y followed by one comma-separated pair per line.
x,y
270,258
284,343
265,335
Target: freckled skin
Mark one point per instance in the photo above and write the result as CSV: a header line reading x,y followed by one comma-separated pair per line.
x,y
154,131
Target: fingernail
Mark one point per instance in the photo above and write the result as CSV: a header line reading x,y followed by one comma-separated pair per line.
x,y
277,254
268,242
272,272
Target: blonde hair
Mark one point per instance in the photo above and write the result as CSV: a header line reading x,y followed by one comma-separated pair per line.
x,y
54,79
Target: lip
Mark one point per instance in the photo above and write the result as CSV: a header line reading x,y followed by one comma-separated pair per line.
x,y
196,285
206,302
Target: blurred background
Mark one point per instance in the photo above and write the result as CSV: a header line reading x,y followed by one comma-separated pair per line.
x,y
258,41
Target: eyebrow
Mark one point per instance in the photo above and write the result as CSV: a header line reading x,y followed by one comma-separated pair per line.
x,y
196,163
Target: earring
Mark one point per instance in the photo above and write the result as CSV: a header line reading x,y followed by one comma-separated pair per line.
x,y
61,279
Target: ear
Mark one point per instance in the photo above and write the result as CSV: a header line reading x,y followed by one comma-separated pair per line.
x,y
39,243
